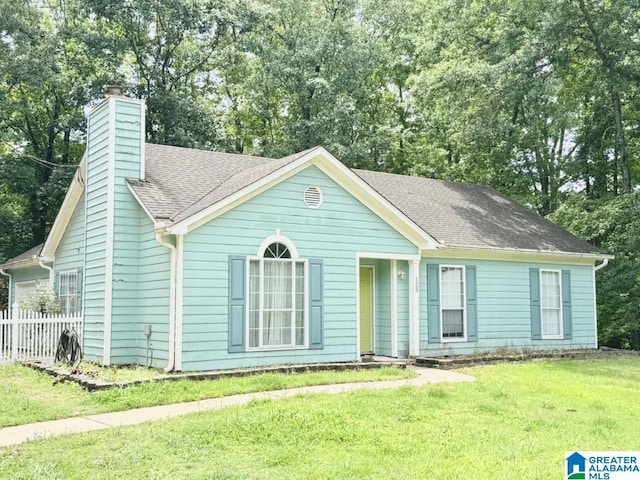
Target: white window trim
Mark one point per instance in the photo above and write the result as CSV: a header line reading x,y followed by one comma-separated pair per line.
x,y
31,284
560,336
277,238
305,301
465,329
73,271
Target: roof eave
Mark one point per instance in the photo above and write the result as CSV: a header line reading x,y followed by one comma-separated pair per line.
x,y
524,254
27,262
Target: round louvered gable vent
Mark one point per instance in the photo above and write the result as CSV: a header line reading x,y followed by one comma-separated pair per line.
x,y
313,197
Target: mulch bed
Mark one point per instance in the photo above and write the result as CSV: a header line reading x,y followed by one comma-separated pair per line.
x,y
92,384
457,361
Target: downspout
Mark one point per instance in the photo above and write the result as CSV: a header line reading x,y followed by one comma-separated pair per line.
x,y
2,272
172,302
604,263
46,267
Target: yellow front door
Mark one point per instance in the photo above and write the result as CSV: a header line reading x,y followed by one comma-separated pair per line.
x,y
366,310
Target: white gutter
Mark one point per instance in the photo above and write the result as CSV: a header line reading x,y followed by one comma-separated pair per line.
x,y
604,263
172,302
523,251
46,267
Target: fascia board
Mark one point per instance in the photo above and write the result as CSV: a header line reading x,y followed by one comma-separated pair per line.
x,y
515,255
69,204
27,262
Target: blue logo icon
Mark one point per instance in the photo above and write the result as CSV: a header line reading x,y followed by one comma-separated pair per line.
x,y
576,467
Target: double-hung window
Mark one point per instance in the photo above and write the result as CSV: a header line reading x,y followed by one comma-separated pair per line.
x,y
277,299
452,302
68,292
551,304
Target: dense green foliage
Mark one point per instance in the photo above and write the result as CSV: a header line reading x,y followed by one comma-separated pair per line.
x,y
537,98
614,226
516,421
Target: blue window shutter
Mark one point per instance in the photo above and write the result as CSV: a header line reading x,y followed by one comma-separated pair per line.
x,y
237,301
534,293
56,284
566,304
79,287
316,304
433,302
472,304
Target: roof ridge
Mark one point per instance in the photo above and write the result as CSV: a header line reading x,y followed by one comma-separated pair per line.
x,y
439,180
207,152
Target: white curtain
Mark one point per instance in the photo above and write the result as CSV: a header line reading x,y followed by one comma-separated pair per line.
x,y
452,285
254,303
550,302
278,302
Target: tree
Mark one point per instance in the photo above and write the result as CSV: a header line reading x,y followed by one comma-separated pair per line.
x,y
41,92
168,50
612,224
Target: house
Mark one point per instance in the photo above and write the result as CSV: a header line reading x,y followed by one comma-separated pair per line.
x,y
194,260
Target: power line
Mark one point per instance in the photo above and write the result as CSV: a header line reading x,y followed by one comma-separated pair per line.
x,y
44,163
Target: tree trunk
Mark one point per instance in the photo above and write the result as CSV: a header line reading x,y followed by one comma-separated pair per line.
x,y
621,144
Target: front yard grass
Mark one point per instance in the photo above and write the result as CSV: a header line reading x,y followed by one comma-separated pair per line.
x,y
516,421
28,396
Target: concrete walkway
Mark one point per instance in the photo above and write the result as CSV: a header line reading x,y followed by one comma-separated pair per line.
x,y
24,433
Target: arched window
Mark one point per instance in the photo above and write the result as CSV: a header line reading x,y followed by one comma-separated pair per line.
x,y
277,296
277,250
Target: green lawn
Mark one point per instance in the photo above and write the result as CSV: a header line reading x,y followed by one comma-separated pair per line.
x,y
516,421
28,396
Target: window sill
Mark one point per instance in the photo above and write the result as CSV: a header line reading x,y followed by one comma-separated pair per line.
x,y
277,348
453,340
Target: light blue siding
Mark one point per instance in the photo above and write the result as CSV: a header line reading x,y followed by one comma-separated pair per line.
x,y
334,232
95,241
70,252
503,305
126,330
152,298
126,146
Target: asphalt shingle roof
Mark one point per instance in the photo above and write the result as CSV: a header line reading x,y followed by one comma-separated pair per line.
x,y
181,182
28,255
469,215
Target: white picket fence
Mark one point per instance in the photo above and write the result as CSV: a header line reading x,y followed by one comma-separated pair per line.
x,y
32,336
